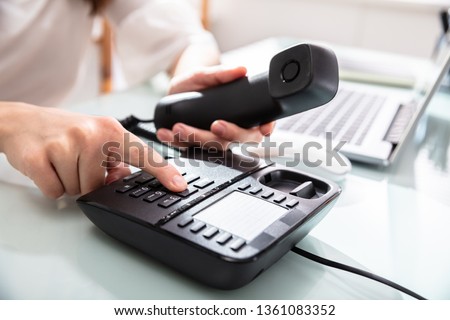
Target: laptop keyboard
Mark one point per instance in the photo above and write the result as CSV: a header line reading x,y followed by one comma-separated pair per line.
x,y
348,116
401,121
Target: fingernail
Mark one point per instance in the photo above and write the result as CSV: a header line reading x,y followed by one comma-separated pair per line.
x,y
268,133
180,130
164,135
179,182
219,128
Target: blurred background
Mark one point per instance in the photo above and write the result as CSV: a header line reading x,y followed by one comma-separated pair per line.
x,y
405,27
400,26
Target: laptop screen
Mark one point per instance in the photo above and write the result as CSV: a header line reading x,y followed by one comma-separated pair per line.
x,y
426,88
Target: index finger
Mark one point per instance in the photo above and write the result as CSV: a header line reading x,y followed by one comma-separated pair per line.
x,y
137,153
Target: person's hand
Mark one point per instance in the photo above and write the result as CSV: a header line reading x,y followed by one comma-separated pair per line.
x,y
70,153
221,133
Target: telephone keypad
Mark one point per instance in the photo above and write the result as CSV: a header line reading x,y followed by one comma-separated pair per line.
x,y
203,183
155,184
153,191
169,201
139,192
191,178
144,178
132,176
186,193
126,187
154,195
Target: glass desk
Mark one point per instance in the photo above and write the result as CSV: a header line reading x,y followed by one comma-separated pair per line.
x,y
394,222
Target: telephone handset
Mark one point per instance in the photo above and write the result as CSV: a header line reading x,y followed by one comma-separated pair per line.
x,y
299,78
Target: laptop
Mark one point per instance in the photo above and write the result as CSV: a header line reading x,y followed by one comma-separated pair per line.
x,y
370,119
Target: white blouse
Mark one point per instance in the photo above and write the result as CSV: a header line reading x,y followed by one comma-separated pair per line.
x,y
44,43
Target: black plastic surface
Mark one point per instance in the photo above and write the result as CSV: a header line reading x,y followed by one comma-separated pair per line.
x,y
177,236
299,78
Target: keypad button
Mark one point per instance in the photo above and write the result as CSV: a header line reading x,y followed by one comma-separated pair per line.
x,y
211,232
267,194
184,207
223,238
186,221
203,183
144,178
279,199
167,202
255,190
244,186
292,203
187,192
155,195
237,244
126,188
155,184
139,192
190,177
132,176
198,226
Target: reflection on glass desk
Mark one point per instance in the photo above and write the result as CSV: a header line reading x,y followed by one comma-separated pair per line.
x,y
392,221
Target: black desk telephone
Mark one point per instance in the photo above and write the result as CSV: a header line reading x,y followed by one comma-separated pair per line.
x,y
239,215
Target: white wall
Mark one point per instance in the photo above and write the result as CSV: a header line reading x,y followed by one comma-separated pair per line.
x,y
401,26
